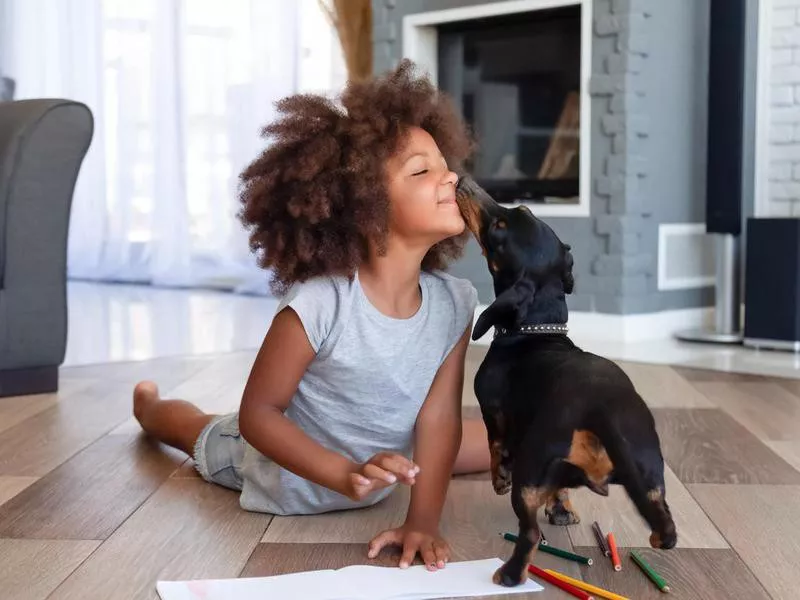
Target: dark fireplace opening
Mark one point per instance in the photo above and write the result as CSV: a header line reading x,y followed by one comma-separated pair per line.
x,y
517,79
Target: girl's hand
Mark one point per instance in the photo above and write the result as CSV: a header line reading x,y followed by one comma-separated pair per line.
x,y
435,552
382,470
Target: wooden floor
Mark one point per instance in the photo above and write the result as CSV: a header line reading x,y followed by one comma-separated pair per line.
x,y
91,509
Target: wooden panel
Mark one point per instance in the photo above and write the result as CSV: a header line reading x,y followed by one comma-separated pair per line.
x,y
766,409
280,559
187,530
16,409
32,569
762,523
617,513
168,372
90,495
708,446
11,486
472,520
215,389
693,375
662,387
355,526
690,573
788,451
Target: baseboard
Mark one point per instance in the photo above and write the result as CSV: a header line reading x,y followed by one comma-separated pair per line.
x,y
626,328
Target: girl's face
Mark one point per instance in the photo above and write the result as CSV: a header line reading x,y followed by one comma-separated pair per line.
x,y
422,192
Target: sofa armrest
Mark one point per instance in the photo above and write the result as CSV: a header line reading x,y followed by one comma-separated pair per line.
x,y
42,146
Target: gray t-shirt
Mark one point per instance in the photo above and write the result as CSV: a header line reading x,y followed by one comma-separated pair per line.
x,y
363,391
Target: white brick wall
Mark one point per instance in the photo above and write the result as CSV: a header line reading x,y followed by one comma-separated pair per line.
x,y
784,109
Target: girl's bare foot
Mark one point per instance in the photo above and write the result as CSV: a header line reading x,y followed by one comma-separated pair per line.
x,y
176,423
145,394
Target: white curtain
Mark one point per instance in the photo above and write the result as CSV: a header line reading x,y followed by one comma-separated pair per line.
x,y
179,90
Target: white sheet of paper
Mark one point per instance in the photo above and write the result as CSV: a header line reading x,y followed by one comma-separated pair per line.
x,y
465,579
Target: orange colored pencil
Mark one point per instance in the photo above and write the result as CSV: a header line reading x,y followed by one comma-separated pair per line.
x,y
612,545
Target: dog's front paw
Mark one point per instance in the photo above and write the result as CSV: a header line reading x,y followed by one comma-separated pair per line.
x,y
507,577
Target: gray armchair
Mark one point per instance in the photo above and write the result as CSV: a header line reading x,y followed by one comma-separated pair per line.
x,y
42,146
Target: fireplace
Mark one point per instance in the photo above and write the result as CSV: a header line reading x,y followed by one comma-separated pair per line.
x,y
517,71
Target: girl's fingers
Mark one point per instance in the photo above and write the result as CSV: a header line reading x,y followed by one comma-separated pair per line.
x,y
442,551
379,542
400,466
409,552
429,556
375,472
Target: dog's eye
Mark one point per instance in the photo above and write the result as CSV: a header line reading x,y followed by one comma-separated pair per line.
x,y
501,225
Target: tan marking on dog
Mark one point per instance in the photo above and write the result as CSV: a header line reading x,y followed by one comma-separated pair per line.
x,y
533,498
472,217
654,495
588,454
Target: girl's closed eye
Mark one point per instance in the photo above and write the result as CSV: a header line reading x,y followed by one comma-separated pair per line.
x,y
420,172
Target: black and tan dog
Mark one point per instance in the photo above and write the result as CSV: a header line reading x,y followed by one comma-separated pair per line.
x,y
557,417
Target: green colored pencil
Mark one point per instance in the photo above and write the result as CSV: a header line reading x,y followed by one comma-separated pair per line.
x,y
510,537
650,572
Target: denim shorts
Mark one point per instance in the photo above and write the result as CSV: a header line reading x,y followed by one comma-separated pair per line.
x,y
219,450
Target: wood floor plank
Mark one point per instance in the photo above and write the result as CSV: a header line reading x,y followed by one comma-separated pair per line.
x,y
32,569
788,451
40,443
662,387
357,526
281,559
91,494
690,573
762,523
767,409
15,409
215,389
695,374
472,520
616,513
187,530
709,446
11,486
474,358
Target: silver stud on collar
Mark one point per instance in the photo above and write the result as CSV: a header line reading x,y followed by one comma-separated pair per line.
x,y
539,329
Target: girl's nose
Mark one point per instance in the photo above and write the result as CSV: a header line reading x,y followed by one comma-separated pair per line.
x,y
451,177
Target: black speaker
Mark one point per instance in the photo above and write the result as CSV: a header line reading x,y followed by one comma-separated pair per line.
x,y
728,88
772,284
726,100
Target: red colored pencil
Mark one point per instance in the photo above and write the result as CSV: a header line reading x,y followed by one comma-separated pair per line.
x,y
570,589
612,545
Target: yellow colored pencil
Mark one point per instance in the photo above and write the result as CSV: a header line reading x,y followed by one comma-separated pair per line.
x,y
586,587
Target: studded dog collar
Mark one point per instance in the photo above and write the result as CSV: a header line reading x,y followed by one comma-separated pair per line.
x,y
539,329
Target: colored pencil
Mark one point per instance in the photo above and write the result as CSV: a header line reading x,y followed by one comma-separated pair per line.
x,y
565,554
510,537
543,540
612,545
570,589
650,572
601,539
586,587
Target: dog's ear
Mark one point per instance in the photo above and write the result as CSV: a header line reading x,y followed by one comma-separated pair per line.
x,y
508,309
566,273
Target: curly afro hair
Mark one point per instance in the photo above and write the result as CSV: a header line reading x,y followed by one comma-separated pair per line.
x,y
316,197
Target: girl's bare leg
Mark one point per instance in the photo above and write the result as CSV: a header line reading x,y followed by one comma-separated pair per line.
x,y
176,423
473,456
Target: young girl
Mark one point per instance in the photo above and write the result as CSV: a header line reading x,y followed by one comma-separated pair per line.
x,y
357,385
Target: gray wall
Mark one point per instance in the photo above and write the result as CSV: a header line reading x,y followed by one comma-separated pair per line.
x,y
648,107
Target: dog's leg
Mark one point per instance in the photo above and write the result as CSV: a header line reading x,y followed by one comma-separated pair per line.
x,y
500,456
664,534
526,502
559,509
